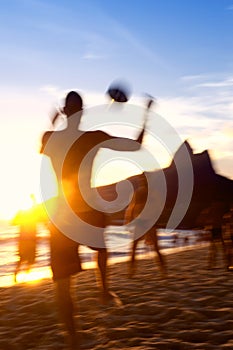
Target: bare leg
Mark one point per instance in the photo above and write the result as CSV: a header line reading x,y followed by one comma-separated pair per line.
x,y
102,257
154,239
132,259
66,310
101,276
17,270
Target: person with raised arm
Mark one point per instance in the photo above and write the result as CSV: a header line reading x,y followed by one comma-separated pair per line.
x,y
77,218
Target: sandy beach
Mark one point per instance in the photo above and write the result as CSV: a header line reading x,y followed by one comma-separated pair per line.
x,y
190,309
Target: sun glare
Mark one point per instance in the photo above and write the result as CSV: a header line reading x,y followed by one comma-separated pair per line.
x,y
34,275
17,185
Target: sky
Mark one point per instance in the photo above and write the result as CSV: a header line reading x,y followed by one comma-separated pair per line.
x,y
179,51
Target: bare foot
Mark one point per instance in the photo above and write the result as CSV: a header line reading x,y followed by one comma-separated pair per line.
x,y
108,297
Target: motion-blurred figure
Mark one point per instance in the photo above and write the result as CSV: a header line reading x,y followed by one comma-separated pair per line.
x,y
140,230
228,237
215,216
72,152
27,221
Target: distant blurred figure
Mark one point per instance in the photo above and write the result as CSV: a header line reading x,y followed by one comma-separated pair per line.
x,y
27,222
175,239
140,231
214,224
228,237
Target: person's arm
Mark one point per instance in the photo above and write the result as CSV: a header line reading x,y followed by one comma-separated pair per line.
x,y
54,118
44,141
125,144
47,134
140,137
121,143
149,103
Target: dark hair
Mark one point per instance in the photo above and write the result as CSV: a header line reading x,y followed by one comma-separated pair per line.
x,y
74,101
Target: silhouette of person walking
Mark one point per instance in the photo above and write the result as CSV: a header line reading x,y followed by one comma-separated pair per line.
x,y
215,220
72,153
228,236
27,222
140,230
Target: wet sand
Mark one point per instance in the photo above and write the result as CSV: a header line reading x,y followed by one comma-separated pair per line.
x,y
192,308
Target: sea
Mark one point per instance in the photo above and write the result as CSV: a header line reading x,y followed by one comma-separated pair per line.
x,y
118,240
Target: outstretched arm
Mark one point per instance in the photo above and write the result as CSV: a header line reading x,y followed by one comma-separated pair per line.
x,y
149,103
121,143
47,134
124,144
141,135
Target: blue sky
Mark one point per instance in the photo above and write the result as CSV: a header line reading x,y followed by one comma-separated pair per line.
x,y
179,51
152,43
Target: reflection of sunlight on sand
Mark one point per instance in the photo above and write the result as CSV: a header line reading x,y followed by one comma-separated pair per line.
x,y
39,274
33,276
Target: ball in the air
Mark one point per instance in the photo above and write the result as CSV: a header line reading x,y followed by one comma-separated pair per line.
x,y
119,92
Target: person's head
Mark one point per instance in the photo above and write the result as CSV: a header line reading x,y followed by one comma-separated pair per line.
x,y
73,103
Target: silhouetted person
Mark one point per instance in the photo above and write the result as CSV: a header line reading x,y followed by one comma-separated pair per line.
x,y
215,222
67,150
228,237
175,239
140,229
27,222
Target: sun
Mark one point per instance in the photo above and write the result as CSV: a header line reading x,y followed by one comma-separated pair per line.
x,y
34,275
18,181
17,199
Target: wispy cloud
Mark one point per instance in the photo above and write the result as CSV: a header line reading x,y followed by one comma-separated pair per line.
x,y
193,77
215,84
230,8
206,121
125,35
52,90
93,56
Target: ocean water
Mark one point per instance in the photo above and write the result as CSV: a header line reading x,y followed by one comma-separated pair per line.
x,y
118,241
